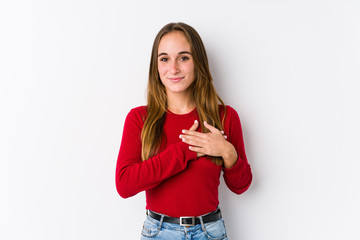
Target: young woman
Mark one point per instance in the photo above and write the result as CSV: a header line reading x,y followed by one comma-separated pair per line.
x,y
175,148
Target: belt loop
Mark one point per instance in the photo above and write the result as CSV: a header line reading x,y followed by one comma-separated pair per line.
x,y
202,223
161,221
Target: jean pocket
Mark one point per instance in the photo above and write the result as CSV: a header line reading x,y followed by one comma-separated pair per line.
x,y
215,230
150,228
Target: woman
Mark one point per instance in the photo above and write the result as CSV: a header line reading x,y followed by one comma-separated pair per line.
x,y
175,148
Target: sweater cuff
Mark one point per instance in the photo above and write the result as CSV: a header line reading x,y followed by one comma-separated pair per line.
x,y
189,155
236,168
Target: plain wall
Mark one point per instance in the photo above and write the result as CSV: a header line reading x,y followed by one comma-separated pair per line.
x,y
71,70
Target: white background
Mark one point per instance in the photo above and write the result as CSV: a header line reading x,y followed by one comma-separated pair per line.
x,y
71,70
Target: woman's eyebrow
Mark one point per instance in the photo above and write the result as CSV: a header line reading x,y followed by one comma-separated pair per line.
x,y
182,52
185,52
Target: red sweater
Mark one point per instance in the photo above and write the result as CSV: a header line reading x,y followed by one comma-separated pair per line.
x,y
177,183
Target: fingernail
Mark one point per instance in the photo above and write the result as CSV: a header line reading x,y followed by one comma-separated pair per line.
x,y
183,131
180,136
183,139
205,122
195,121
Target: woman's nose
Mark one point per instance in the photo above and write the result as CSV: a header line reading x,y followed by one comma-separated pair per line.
x,y
174,67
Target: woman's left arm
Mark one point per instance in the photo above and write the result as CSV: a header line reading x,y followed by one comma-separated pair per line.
x,y
238,178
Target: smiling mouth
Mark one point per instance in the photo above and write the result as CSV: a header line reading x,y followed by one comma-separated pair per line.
x,y
176,79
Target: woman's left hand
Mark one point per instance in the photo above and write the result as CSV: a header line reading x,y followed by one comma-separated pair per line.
x,y
212,143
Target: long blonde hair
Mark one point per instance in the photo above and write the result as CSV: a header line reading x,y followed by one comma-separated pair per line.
x,y
202,89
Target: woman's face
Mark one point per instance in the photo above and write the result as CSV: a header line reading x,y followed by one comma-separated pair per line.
x,y
175,63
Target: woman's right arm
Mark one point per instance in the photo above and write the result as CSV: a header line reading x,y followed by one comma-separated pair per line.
x,y
134,175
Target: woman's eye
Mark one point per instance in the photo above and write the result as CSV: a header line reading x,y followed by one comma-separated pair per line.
x,y
184,58
163,59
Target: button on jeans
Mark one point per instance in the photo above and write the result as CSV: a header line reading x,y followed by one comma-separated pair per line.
x,y
159,230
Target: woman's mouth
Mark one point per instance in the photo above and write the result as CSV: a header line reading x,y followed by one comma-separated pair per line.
x,y
176,79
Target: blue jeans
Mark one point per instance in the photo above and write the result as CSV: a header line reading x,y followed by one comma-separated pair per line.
x,y
159,230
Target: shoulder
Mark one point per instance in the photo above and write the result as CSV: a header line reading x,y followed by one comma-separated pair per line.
x,y
138,113
229,112
232,120
139,110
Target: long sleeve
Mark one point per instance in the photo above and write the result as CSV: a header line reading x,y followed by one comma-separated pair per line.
x,y
239,177
134,175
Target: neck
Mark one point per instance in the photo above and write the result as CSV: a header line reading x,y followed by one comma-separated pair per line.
x,y
180,103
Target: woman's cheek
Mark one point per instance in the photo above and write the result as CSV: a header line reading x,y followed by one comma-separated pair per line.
x,y
161,68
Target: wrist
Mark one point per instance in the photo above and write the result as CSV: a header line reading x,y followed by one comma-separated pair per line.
x,y
229,155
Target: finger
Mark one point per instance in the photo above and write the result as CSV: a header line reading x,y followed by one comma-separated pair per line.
x,y
193,133
193,141
196,149
194,126
211,128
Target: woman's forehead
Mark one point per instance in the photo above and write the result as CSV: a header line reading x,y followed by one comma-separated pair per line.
x,y
174,42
